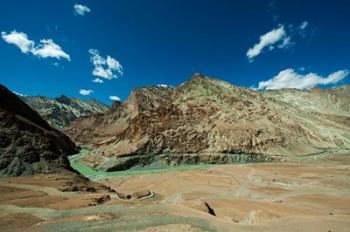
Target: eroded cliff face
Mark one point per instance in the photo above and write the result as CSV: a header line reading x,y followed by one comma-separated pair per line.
x,y
208,119
28,145
61,111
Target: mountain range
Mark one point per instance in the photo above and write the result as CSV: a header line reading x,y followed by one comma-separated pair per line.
x,y
205,120
60,111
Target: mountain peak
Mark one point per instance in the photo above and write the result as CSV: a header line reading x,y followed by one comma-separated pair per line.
x,y
197,75
63,99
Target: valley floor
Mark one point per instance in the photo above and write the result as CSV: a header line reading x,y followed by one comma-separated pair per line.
x,y
313,196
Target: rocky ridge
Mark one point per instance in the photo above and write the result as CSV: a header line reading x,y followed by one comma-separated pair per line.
x,y
60,111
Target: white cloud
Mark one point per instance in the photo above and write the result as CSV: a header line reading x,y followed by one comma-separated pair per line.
x,y
288,78
102,72
108,68
303,25
85,92
81,9
114,98
114,64
19,39
97,80
45,49
285,43
301,30
268,40
163,85
48,48
280,37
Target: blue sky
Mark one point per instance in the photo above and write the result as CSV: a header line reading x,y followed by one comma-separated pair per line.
x,y
165,41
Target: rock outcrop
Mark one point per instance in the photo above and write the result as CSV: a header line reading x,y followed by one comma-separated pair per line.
x,y
205,120
60,111
116,104
28,144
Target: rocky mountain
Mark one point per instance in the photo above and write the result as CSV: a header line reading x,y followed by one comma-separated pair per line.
x,y
28,144
60,111
205,120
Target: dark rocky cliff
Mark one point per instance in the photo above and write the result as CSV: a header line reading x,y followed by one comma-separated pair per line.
x,y
28,144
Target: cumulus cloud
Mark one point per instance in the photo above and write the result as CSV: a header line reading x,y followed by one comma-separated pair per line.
x,y
48,48
97,80
280,37
19,39
114,98
288,78
81,9
45,49
108,68
269,40
85,92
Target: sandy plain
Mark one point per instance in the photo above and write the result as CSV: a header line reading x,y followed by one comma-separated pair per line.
x,y
310,196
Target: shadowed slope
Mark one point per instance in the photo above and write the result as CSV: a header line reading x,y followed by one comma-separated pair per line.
x,y
28,144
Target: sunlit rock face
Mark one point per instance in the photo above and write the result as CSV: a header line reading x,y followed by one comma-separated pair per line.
x,y
205,119
28,144
61,111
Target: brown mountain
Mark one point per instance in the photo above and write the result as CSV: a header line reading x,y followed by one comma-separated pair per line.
x,y
205,120
28,144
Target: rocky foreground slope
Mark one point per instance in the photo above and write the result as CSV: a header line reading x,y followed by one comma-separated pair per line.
x,y
60,111
206,120
28,144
